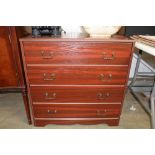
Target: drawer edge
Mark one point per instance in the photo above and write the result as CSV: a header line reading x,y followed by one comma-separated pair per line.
x,y
76,118
39,103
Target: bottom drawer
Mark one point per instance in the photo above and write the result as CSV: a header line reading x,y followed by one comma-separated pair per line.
x,y
76,111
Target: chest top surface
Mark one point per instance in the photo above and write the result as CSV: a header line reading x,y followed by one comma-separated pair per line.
x,y
81,38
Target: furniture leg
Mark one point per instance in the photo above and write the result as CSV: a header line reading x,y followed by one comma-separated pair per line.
x,y
26,104
152,101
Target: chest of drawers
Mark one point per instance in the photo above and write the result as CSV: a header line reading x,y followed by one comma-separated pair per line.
x,y
76,80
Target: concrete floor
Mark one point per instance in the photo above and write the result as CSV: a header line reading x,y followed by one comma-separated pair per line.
x,y
12,115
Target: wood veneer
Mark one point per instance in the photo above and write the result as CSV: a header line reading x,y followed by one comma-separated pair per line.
x,y
78,93
76,80
8,70
65,75
76,110
77,53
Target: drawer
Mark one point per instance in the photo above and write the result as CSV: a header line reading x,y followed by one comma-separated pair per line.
x,y
77,53
78,93
76,111
83,75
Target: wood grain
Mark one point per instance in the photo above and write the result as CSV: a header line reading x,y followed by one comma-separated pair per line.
x,y
7,64
76,80
76,111
77,75
77,53
77,93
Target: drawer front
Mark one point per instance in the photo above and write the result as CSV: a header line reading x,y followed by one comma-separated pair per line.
x,y
77,53
75,94
76,111
84,75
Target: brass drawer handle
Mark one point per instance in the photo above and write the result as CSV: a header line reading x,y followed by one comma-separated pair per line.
x,y
102,77
49,77
103,112
98,112
102,96
50,97
51,111
105,57
47,55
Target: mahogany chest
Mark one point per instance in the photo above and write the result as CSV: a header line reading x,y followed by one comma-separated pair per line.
x,y
76,80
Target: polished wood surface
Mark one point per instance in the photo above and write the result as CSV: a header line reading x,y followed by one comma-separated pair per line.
x,y
84,121
76,111
8,72
77,53
77,93
16,33
76,80
79,75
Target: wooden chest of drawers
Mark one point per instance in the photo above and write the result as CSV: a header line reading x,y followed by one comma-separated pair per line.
x,y
76,80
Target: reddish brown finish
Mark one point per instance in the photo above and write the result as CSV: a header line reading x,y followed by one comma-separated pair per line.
x,y
76,111
7,64
75,46
11,70
16,33
77,53
64,75
26,104
77,93
69,80
110,122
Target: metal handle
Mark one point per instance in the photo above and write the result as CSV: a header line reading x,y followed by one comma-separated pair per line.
x,y
49,77
102,96
103,112
51,111
102,77
47,55
105,57
50,97
98,112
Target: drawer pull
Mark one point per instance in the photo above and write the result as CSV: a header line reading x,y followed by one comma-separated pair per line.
x,y
98,112
47,55
49,77
102,77
103,112
50,97
102,96
106,57
51,111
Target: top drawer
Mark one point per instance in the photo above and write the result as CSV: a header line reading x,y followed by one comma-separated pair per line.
x,y
77,53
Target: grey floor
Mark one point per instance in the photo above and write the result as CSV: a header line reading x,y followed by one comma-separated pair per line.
x,y
12,115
